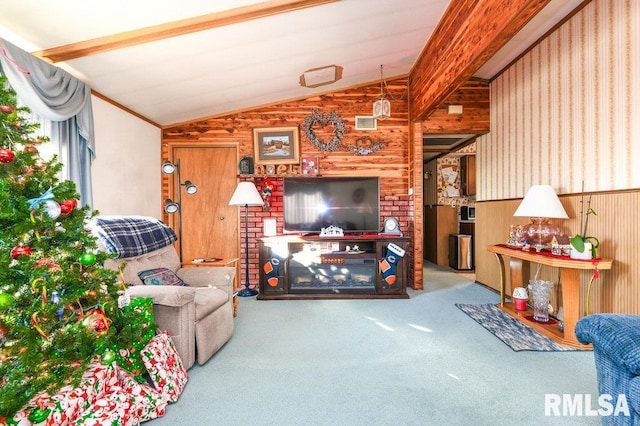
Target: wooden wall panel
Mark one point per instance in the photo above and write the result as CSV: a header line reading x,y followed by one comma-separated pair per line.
x,y
469,33
473,95
616,225
392,164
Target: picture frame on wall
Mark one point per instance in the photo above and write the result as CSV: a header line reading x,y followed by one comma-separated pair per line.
x,y
309,166
276,145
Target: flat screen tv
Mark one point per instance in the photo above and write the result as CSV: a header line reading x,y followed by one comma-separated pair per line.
x,y
313,203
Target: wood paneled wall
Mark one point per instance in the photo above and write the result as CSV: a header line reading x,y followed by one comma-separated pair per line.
x,y
565,114
392,164
616,225
474,97
468,34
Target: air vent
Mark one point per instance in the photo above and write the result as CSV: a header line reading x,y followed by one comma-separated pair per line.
x,y
366,122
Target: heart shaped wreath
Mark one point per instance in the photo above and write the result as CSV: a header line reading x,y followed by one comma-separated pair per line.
x,y
365,145
318,118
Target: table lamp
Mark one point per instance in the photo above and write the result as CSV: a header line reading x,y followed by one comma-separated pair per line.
x,y
246,194
541,203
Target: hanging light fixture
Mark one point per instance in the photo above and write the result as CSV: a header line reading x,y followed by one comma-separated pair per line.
x,y
382,106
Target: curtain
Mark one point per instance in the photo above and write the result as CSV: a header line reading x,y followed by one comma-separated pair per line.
x,y
57,96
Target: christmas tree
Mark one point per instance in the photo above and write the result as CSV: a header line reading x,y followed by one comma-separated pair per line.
x,y
59,308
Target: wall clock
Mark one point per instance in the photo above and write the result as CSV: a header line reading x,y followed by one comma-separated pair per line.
x,y
391,226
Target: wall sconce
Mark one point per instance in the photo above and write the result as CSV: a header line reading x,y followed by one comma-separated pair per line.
x,y
382,106
170,206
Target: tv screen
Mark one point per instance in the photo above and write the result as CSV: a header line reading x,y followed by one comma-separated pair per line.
x,y
313,203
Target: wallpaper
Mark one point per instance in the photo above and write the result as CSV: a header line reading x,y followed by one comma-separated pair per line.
x,y
568,112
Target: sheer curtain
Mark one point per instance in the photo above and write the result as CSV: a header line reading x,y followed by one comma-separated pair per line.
x,y
61,98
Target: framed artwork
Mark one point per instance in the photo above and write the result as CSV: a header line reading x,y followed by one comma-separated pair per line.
x,y
309,166
276,145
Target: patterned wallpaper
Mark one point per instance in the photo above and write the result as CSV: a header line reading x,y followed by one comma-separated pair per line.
x,y
567,113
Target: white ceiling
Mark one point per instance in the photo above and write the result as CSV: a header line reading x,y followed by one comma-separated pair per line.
x,y
238,66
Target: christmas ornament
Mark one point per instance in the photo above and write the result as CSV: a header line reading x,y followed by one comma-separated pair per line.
x,y
7,109
97,321
20,250
39,415
52,264
31,148
52,209
87,259
108,357
6,301
55,299
6,155
67,206
35,202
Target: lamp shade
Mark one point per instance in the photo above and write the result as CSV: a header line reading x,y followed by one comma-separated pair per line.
x,y
246,194
541,201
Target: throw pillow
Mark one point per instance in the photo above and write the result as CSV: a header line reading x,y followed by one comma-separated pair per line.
x,y
160,276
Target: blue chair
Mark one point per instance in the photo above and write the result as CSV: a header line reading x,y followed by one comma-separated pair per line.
x,y
616,348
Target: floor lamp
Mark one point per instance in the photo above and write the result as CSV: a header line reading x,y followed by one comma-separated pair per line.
x,y
171,206
246,194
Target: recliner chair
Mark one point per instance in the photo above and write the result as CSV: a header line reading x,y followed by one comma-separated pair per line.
x,y
616,348
198,316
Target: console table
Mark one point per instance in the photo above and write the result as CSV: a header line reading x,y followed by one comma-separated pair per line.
x,y
313,267
569,277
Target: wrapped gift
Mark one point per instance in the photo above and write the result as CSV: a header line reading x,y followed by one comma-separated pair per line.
x,y
65,406
165,366
149,403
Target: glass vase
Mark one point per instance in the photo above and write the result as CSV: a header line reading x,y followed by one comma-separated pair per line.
x,y
541,291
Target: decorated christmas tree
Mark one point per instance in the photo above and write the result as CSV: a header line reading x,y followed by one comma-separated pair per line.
x,y
59,308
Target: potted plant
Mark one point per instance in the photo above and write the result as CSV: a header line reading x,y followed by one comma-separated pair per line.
x,y
582,245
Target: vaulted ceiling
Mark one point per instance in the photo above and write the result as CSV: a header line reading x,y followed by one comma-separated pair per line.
x,y
171,62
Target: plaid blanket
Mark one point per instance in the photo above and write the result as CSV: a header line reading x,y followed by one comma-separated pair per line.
x,y
129,236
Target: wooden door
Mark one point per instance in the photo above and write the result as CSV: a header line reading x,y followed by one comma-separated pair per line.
x,y
209,224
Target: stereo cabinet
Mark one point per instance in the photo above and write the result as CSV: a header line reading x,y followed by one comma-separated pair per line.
x,y
313,267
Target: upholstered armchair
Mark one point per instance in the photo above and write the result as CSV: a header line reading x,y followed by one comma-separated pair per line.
x,y
195,305
616,348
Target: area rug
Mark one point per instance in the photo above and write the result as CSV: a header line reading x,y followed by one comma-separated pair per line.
x,y
516,335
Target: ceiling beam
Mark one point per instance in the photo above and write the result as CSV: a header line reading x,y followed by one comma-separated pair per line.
x,y
469,33
173,29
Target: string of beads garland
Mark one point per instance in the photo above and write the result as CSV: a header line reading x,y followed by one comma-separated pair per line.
x,y
318,118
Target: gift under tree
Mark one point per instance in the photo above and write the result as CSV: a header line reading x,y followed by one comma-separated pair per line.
x,y
59,308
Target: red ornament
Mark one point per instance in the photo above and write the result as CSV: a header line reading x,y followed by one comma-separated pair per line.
x,y
6,155
31,148
7,109
97,321
67,206
20,250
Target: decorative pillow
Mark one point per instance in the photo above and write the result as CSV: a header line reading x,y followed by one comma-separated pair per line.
x,y
160,276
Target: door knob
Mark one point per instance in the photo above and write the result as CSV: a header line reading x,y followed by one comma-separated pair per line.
x,y
221,217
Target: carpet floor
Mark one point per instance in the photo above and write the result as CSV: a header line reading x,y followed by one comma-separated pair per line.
x,y
417,361
513,333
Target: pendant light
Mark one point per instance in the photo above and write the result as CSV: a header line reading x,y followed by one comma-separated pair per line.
x,y
382,106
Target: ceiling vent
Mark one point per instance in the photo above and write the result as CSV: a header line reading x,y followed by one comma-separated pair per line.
x,y
316,77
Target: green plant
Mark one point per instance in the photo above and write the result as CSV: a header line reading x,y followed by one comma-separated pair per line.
x,y
578,241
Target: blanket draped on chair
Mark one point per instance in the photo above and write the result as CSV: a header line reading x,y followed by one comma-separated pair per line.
x,y
129,236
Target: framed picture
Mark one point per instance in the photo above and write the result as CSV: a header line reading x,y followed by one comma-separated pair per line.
x,y
309,166
276,145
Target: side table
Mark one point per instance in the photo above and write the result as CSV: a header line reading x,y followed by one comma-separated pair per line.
x,y
213,262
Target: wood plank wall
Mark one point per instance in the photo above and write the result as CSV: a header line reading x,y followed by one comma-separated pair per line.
x,y
391,164
616,225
